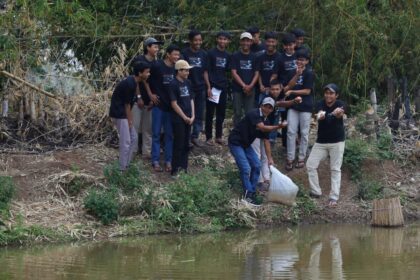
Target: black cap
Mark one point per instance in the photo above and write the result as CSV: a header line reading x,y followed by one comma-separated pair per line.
x,y
253,30
333,87
299,32
223,33
303,52
288,38
151,41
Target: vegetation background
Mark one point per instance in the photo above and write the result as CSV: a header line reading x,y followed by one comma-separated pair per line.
x,y
356,44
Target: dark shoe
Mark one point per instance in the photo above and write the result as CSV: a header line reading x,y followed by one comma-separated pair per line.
x,y
250,199
196,142
313,195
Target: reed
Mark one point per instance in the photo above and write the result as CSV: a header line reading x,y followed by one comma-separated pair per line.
x,y
387,212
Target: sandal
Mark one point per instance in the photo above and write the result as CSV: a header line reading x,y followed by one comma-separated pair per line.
x,y
210,142
156,167
300,164
220,141
289,165
168,167
332,202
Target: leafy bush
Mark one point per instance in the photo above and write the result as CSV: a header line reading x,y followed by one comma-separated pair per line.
x,y
356,151
103,205
384,146
7,190
369,189
133,179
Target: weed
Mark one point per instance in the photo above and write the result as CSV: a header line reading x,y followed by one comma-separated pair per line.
x,y
133,179
103,205
384,146
75,186
369,189
356,151
7,190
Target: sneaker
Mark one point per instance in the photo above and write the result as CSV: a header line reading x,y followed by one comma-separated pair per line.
x,y
314,195
196,142
251,200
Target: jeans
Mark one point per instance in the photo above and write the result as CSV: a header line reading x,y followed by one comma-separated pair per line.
x,y
181,147
220,109
161,119
249,166
199,108
296,119
127,141
242,104
318,153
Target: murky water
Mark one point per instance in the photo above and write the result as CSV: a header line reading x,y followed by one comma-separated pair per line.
x,y
305,252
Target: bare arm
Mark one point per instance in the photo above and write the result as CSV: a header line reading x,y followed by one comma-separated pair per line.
x,y
207,81
127,108
255,79
237,79
305,91
267,147
153,97
192,111
268,128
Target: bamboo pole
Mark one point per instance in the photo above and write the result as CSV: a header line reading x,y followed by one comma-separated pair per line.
x,y
7,74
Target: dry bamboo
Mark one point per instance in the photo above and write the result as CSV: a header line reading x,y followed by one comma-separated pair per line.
x,y
32,110
387,212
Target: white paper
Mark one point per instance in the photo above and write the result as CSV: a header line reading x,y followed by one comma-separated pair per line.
x,y
215,95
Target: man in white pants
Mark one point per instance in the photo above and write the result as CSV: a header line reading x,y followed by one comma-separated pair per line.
x,y
329,143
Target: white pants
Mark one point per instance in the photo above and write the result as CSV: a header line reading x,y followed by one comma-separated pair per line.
x,y
258,147
296,119
142,122
319,152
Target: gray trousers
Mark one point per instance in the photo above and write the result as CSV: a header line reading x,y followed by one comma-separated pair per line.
x,y
142,122
296,119
242,104
127,143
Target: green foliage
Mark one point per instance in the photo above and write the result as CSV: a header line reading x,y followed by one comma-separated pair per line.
x,y
103,205
369,189
304,207
75,186
356,151
7,190
384,146
133,179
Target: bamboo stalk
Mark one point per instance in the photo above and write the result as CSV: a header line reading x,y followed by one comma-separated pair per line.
x,y
387,212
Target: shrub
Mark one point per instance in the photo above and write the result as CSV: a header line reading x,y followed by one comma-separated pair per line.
x,y
369,189
133,179
384,146
103,205
7,190
356,151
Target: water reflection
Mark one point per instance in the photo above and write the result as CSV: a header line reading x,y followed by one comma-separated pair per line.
x,y
306,252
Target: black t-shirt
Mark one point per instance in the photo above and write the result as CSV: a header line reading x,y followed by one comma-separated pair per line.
x,y
305,81
266,66
218,65
246,66
330,129
182,93
245,132
160,77
144,96
198,60
285,68
258,48
124,93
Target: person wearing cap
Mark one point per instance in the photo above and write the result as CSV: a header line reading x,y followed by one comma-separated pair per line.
x,y
245,77
330,143
142,117
183,115
123,98
240,140
218,66
197,58
162,73
257,46
299,115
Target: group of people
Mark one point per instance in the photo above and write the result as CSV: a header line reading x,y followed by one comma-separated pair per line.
x,y
272,90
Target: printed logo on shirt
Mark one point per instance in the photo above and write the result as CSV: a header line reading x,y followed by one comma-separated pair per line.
x,y
183,91
195,61
167,79
245,64
300,80
290,65
221,62
268,65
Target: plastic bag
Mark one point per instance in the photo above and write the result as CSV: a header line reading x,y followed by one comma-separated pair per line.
x,y
282,189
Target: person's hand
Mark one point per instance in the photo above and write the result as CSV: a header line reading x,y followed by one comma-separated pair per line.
x,y
297,100
247,89
283,124
321,115
140,103
338,112
130,124
192,120
209,94
263,89
289,92
270,161
155,99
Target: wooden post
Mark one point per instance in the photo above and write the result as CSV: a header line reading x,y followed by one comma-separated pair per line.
x,y
373,100
387,212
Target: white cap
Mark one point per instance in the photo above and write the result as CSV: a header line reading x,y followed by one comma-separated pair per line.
x,y
268,100
246,35
182,64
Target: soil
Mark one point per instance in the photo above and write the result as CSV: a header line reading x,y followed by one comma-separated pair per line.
x,y
41,199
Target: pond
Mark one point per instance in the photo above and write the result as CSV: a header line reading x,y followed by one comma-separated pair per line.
x,y
304,252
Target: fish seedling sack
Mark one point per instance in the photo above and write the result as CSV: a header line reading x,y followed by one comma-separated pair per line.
x,y
282,189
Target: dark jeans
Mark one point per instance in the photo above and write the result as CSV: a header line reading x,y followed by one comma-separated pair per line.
x,y
283,115
220,109
199,107
249,166
181,148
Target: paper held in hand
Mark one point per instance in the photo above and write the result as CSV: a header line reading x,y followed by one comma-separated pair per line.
x,y
215,95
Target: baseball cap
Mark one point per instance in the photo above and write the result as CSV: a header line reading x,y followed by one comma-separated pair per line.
x,y
268,100
288,38
246,35
333,87
150,41
182,64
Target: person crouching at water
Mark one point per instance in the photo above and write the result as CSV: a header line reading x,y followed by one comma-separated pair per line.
x,y
240,140
182,115
123,98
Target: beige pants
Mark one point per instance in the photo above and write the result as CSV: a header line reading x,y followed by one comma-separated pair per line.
x,y
142,122
320,152
258,147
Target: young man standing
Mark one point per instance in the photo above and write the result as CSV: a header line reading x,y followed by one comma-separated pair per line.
x,y
245,77
197,58
122,101
257,46
240,140
218,66
329,143
182,115
300,38
143,117
162,73
299,115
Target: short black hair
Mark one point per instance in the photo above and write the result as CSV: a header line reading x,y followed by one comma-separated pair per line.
x,y
139,67
274,82
253,30
288,38
299,32
270,35
193,33
172,48
223,33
